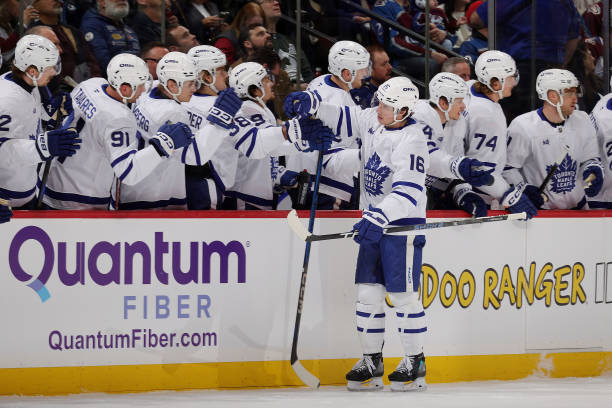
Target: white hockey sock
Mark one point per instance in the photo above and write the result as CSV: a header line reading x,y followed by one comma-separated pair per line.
x,y
411,323
370,327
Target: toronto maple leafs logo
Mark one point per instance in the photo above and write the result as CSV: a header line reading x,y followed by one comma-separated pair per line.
x,y
375,175
564,179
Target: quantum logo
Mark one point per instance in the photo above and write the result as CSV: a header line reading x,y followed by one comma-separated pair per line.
x,y
122,255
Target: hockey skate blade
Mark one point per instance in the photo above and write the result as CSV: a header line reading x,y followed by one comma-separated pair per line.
x,y
296,225
304,375
373,384
417,385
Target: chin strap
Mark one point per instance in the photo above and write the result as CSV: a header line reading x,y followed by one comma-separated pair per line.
x,y
174,96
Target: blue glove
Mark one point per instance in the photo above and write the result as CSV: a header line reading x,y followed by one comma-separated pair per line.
x,y
536,198
225,108
170,137
473,204
308,135
473,171
5,211
61,142
288,178
56,105
594,187
302,104
370,228
516,202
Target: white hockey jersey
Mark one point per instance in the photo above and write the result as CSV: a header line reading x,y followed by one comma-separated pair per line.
x,y
256,177
108,150
20,123
393,163
339,185
535,144
601,118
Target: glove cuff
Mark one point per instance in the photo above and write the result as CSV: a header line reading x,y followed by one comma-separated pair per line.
x,y
220,118
454,167
376,218
163,144
42,146
460,190
513,195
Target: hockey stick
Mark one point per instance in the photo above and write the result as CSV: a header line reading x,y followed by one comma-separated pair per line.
x,y
304,375
297,226
552,172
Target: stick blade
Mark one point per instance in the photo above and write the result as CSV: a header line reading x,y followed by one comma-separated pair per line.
x,y
296,225
304,375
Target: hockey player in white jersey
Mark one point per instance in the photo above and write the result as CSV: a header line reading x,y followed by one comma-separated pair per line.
x,y
207,183
602,120
486,129
449,167
393,161
23,144
110,139
349,63
559,134
256,179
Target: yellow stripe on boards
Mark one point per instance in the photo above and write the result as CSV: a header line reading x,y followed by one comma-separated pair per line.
x,y
140,378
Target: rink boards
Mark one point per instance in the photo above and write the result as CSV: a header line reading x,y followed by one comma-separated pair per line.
x,y
104,302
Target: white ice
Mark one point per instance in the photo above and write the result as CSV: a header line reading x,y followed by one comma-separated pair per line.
x,y
526,393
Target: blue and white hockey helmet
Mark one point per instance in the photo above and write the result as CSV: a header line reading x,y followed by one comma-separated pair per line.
x,y
127,69
176,66
347,55
495,64
399,93
207,58
556,80
447,85
245,75
37,51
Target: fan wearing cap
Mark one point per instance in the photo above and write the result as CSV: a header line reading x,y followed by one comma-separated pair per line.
x,y
393,160
557,133
110,149
23,144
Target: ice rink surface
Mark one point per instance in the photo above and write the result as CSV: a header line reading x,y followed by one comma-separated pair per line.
x,y
527,393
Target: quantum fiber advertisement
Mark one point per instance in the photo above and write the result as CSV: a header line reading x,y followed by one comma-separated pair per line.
x,y
98,292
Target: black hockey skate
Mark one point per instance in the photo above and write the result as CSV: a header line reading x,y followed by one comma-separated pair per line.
x,y
409,374
367,374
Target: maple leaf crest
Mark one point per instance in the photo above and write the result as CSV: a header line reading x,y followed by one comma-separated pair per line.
x,y
564,179
375,175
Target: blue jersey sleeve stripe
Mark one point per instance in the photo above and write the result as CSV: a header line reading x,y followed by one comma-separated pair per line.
x,y
126,172
349,126
242,139
216,177
407,183
331,151
407,196
252,146
339,127
122,157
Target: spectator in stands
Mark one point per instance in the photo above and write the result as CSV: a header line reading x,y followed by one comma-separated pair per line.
x,y
181,39
556,40
381,71
147,22
227,41
251,39
78,61
455,11
478,42
151,53
408,54
283,46
437,19
457,66
583,66
106,33
74,10
9,35
203,18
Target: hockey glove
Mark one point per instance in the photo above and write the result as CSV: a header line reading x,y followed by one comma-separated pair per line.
x,y
308,135
225,108
302,104
60,104
473,171
5,211
170,137
472,203
58,143
592,188
536,198
370,228
286,178
516,202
